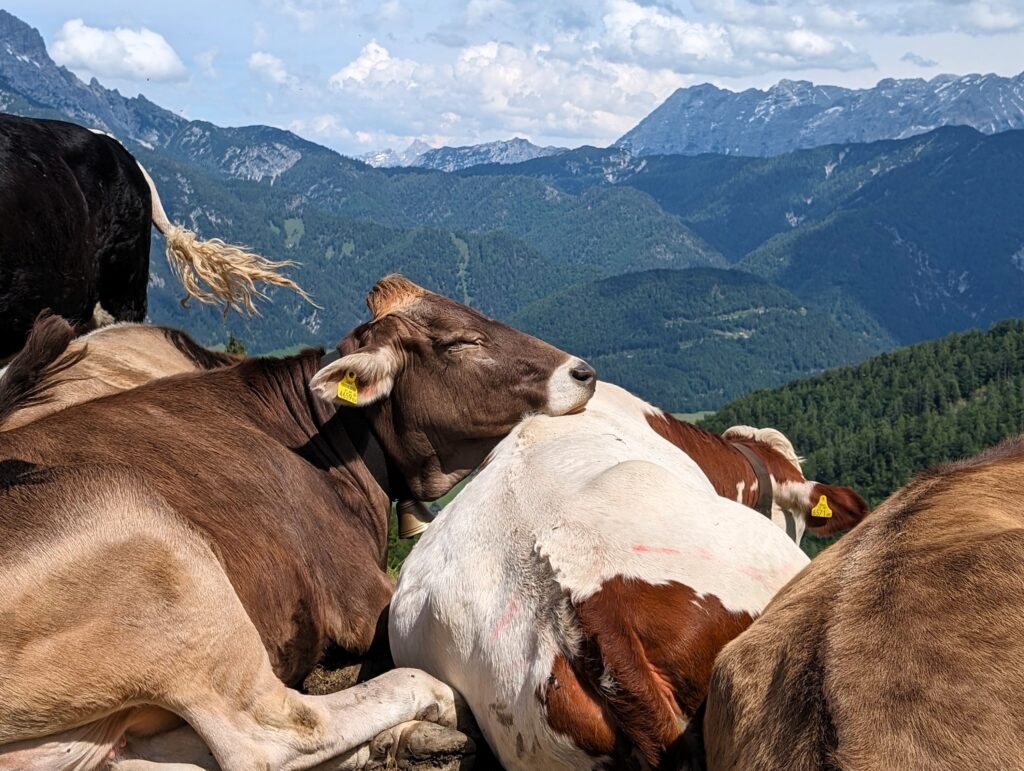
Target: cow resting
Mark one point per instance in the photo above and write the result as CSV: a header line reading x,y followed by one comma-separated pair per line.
x,y
577,590
185,550
110,359
900,647
759,468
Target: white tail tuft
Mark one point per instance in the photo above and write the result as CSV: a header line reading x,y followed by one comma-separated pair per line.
x,y
230,273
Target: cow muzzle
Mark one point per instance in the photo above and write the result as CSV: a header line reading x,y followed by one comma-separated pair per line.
x,y
570,387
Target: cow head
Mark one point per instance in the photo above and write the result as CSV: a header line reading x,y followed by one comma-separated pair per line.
x,y
441,383
821,508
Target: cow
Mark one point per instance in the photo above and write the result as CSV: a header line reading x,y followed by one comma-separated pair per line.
x,y
77,211
899,647
108,360
577,590
188,549
758,467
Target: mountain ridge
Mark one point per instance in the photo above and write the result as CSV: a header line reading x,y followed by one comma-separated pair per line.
x,y
509,237
449,158
797,114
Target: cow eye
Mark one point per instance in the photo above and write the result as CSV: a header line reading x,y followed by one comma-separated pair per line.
x,y
461,344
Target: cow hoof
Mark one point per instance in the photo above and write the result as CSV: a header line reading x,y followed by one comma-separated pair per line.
x,y
419,745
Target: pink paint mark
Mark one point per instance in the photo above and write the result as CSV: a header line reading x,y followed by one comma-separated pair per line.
x,y
644,549
759,575
506,618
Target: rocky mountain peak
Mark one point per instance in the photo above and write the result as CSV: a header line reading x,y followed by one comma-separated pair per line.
x,y
798,114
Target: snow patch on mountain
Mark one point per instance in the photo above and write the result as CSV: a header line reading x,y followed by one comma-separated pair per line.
x,y
423,156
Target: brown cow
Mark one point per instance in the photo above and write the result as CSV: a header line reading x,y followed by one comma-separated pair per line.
x,y
759,468
157,544
111,359
898,648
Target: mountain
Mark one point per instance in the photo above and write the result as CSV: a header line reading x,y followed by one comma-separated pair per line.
x,y
874,425
497,243
386,159
514,150
423,156
856,247
798,114
695,338
595,233
922,234
43,88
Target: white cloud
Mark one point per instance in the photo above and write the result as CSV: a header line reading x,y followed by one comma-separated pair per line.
x,y
496,89
128,54
991,17
744,42
205,61
270,69
375,67
916,59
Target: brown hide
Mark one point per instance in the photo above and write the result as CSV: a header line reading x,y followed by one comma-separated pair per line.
x,y
898,648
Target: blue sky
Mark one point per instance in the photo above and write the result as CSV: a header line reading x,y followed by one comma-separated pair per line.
x,y
361,76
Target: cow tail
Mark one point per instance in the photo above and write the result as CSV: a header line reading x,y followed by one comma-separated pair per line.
x,y
216,272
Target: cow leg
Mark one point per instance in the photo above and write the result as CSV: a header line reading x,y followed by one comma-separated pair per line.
x,y
413,745
122,272
179,750
127,605
275,727
369,726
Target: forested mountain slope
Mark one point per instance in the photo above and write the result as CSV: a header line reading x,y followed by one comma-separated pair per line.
x,y
691,339
875,424
924,234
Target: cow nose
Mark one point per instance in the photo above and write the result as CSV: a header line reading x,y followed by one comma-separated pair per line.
x,y
583,372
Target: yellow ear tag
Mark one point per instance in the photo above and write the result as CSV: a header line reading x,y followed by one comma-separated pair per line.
x,y
347,389
822,510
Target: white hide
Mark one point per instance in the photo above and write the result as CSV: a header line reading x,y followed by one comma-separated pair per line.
x,y
563,505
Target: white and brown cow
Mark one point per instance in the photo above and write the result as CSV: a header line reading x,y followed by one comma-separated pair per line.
x,y
759,468
185,550
577,591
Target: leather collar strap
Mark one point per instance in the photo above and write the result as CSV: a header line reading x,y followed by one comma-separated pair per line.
x,y
765,495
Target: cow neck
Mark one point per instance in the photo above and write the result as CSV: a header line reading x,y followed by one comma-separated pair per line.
x,y
765,492
372,453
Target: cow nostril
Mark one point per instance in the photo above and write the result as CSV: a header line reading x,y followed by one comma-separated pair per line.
x,y
583,372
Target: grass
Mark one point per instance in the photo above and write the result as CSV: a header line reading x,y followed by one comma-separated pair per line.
x,y
693,417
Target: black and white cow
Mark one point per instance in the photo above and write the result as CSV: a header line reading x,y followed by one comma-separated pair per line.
x,y
75,214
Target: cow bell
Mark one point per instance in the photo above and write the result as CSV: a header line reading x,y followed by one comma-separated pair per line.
x,y
413,518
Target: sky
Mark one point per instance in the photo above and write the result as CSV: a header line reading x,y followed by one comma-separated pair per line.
x,y
361,76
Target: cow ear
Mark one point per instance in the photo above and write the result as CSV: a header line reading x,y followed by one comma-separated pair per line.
x,y
833,508
358,379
